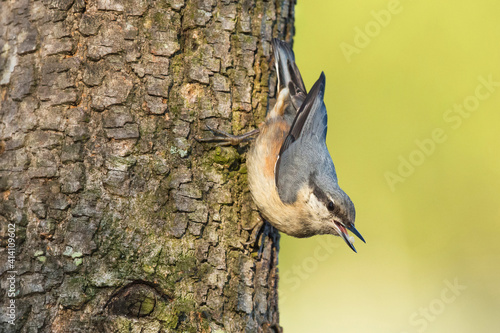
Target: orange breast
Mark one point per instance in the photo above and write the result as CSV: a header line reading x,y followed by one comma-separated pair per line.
x,y
272,138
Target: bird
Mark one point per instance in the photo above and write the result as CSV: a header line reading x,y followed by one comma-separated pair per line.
x,y
291,174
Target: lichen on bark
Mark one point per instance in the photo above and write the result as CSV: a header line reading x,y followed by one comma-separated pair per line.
x,y
124,222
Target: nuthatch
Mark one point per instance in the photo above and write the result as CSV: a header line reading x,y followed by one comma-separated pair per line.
x,y
290,172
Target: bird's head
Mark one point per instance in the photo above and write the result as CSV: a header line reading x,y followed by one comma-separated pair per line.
x,y
331,210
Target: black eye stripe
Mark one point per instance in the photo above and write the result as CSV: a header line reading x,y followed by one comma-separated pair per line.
x,y
318,192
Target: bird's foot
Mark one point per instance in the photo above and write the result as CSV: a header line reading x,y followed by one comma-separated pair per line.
x,y
225,139
260,233
255,232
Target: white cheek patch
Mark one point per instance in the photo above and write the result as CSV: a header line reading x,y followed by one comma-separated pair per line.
x,y
317,207
313,202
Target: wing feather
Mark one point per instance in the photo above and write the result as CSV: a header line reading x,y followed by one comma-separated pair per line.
x,y
307,132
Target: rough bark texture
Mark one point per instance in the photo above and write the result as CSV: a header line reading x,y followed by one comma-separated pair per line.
x,y
124,223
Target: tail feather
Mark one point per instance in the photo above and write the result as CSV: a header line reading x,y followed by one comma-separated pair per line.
x,y
288,73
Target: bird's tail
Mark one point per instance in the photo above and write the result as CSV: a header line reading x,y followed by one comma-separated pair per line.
x,y
288,72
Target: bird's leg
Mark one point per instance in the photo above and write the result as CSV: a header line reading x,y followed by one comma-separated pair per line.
x,y
256,232
260,232
268,231
226,139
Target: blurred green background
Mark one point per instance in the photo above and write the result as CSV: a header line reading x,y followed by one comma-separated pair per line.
x,y
428,210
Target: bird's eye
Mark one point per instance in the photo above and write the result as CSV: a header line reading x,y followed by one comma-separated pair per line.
x,y
331,206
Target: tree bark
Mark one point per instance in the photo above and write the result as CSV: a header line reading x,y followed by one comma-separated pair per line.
x,y
113,217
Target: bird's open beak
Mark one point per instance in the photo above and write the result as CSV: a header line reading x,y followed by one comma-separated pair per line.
x,y
342,231
356,233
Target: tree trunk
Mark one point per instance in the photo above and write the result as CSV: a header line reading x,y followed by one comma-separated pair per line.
x,y
113,217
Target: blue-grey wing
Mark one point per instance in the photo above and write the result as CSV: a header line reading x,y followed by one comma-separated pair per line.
x,y
304,150
311,119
